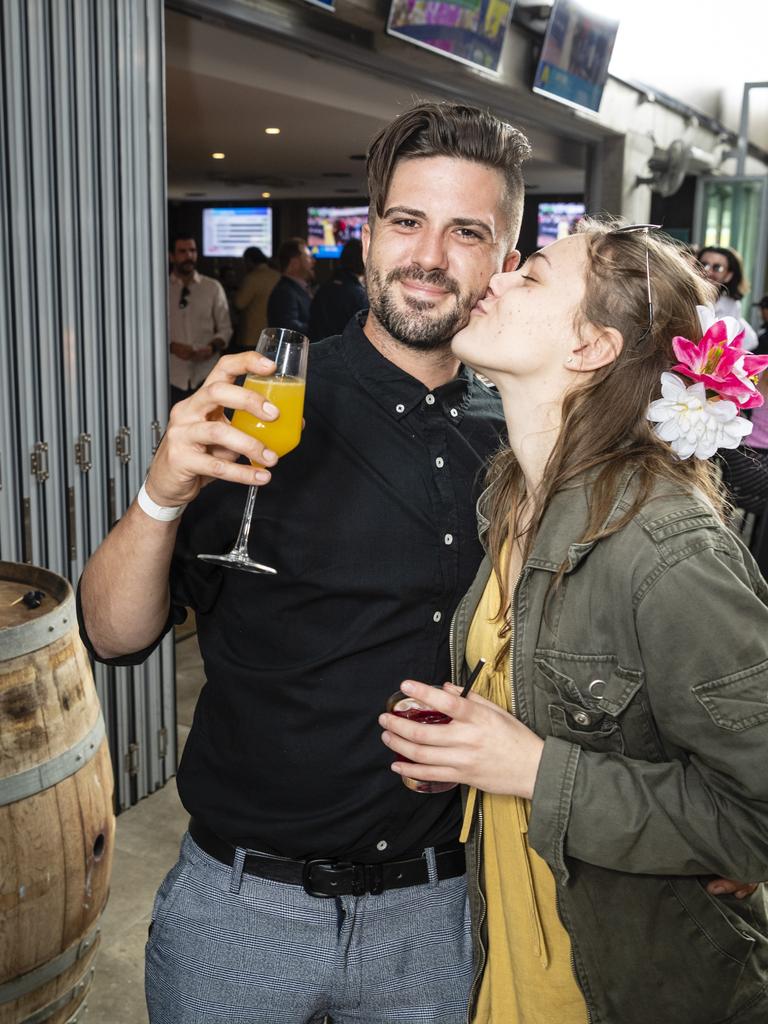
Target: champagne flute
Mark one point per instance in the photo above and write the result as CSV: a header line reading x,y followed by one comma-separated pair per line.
x,y
285,389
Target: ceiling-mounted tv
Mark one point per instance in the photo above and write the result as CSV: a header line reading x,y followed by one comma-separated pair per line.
x,y
330,227
557,220
230,230
471,31
577,48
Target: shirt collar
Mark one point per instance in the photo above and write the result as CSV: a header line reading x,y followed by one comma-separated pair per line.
x,y
395,390
177,280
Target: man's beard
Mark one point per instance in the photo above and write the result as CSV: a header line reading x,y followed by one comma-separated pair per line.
x,y
414,326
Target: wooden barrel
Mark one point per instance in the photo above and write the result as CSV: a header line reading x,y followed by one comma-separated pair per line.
x,y
56,810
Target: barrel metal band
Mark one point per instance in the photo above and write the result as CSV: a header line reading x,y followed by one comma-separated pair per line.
x,y
48,1011
43,776
37,633
26,983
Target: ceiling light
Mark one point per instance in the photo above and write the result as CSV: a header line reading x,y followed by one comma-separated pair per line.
x,y
266,195
218,156
272,131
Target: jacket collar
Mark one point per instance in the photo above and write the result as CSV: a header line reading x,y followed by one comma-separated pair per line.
x,y
565,520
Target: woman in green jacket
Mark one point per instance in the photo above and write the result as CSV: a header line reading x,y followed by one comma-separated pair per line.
x,y
615,749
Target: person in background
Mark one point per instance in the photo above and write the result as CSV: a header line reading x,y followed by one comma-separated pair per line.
x,y
289,302
724,268
337,301
198,319
251,297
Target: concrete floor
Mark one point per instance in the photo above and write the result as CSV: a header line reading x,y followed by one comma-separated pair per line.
x,y
146,847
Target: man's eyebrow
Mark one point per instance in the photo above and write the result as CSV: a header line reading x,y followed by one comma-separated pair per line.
x,y
406,210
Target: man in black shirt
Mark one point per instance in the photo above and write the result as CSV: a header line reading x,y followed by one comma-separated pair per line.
x,y
370,523
289,301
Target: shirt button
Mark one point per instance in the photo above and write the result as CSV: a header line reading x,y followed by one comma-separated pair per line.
x,y
400,408
437,616
382,844
454,413
439,462
430,399
448,538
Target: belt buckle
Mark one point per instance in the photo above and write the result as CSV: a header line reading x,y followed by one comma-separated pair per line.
x,y
306,876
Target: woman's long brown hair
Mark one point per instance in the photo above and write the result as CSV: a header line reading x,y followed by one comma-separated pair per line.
x,y
604,427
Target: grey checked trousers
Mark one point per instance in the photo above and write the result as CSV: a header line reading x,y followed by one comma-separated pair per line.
x,y
232,948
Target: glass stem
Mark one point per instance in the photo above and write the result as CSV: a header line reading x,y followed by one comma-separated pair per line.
x,y
241,547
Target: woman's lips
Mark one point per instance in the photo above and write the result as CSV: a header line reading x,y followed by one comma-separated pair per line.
x,y
481,307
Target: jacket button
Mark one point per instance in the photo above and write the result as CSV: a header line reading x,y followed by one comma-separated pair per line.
x,y
582,718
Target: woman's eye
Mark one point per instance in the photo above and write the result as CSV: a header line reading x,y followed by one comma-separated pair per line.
x,y
527,277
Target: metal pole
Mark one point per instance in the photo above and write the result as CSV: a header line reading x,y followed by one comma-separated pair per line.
x,y
741,151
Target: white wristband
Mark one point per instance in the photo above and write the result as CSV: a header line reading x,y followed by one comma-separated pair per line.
x,y
163,513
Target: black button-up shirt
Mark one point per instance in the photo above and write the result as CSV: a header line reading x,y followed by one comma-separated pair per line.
x,y
371,525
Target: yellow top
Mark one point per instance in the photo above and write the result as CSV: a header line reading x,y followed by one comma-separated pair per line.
x,y
528,977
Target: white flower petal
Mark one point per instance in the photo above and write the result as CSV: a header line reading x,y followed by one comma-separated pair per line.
x,y
672,387
707,317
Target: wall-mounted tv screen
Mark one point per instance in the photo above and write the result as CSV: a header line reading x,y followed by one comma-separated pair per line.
x,y
230,230
472,31
556,220
329,227
577,49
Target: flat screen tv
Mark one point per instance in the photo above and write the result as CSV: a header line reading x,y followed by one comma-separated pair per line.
x,y
577,48
329,227
230,230
471,31
556,220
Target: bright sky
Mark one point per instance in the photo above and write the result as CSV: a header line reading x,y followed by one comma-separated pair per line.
x,y
680,45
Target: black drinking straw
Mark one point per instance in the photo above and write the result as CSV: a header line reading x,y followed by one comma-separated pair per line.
x,y
473,676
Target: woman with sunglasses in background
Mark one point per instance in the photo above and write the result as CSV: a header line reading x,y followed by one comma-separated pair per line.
x,y
615,746
724,268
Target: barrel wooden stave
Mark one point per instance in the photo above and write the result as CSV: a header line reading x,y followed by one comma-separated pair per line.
x,y
56,844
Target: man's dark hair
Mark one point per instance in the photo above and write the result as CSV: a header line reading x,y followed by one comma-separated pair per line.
x,y
289,249
180,236
352,257
453,130
254,255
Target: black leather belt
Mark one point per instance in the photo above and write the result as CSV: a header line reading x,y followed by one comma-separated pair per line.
x,y
321,876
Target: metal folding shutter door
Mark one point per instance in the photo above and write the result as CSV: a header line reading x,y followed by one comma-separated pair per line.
x,y
83,346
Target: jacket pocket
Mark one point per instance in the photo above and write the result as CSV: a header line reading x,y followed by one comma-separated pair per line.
x,y
711,920
591,700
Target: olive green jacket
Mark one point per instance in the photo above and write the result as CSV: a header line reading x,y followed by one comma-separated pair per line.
x,y
648,679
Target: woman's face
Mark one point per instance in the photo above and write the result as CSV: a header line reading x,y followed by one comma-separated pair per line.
x,y
524,326
715,266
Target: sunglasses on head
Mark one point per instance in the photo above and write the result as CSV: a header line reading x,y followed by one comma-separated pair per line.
x,y
184,298
717,268
644,228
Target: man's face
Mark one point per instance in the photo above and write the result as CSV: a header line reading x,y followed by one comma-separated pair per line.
x,y
429,258
304,265
184,256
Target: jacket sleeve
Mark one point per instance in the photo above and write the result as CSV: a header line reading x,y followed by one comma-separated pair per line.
x,y
702,628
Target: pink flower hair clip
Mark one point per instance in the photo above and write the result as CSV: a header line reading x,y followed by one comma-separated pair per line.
x,y
698,419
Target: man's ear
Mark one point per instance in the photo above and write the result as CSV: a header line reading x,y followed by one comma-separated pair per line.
x,y
511,262
365,238
601,347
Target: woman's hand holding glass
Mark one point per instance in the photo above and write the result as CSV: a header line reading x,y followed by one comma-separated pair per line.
x,y
484,746
200,444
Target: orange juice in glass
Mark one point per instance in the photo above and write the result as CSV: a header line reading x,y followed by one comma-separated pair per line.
x,y
288,350
283,434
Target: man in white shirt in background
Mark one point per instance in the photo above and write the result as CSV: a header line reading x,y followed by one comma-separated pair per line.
x,y
198,317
